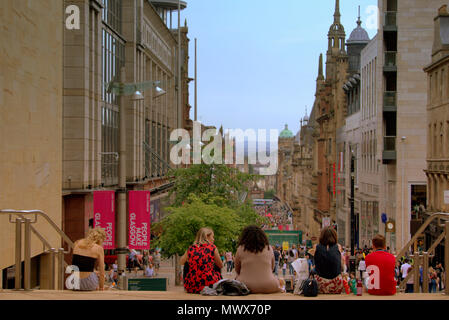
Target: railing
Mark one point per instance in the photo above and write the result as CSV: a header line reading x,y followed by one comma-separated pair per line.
x,y
160,165
390,58
22,220
390,99
390,19
389,143
423,259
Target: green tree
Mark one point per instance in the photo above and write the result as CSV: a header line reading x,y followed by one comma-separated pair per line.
x,y
179,228
214,179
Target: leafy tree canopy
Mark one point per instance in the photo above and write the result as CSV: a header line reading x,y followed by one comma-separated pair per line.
x,y
215,179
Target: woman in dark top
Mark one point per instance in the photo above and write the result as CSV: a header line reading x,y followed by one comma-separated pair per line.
x,y
328,262
88,254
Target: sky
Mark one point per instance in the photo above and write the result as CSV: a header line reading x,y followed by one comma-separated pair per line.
x,y
258,59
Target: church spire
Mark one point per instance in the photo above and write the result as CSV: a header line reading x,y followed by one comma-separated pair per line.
x,y
320,68
336,35
337,14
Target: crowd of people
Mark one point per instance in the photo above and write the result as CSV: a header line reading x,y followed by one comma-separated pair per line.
x,y
257,264
435,275
277,214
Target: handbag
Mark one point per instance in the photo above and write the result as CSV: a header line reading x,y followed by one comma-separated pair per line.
x,y
310,286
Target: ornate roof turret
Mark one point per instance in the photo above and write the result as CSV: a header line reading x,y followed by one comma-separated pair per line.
x,y
286,133
359,35
337,33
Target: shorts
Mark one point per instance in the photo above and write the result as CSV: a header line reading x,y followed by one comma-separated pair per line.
x,y
90,283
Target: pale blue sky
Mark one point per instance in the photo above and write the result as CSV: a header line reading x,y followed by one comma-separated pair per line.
x,y
258,60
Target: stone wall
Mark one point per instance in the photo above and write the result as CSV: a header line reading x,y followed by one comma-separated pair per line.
x,y
31,116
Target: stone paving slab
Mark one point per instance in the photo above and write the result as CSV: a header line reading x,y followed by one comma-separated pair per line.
x,y
177,293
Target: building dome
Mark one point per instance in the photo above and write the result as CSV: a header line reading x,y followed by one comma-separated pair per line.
x,y
286,133
359,35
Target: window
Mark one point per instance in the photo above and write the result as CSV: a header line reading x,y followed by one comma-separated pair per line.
x,y
447,139
112,14
112,59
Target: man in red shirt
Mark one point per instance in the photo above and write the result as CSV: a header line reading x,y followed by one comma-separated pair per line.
x,y
380,266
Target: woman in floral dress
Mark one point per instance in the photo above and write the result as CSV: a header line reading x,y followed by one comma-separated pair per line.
x,y
202,257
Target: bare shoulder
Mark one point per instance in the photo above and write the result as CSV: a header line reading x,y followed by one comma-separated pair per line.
x,y
98,249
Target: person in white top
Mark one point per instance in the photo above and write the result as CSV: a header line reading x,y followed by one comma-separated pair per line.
x,y
404,268
362,267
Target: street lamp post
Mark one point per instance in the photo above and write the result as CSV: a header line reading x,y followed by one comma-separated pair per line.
x,y
122,89
352,258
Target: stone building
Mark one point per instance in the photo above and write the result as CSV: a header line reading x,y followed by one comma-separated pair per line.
x,y
437,170
139,36
285,172
305,177
30,127
349,141
404,43
330,115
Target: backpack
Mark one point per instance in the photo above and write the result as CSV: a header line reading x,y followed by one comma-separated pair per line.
x,y
310,287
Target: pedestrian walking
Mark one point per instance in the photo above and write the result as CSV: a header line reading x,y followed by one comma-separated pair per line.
x,y
229,261
410,282
362,267
290,259
440,274
432,280
284,268
157,261
277,256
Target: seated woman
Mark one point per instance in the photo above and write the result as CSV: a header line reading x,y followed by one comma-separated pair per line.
x,y
203,261
254,262
88,254
328,262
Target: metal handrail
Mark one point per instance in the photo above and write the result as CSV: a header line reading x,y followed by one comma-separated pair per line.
x,y
420,231
46,217
27,222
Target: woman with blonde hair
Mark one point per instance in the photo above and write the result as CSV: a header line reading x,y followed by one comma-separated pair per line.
x,y
202,257
88,255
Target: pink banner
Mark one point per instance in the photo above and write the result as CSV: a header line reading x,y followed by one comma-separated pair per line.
x,y
104,215
139,220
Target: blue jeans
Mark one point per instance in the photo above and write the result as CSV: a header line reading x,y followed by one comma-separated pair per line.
x,y
432,286
283,272
291,269
229,268
276,266
409,288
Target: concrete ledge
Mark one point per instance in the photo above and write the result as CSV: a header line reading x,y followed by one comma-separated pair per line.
x,y
178,294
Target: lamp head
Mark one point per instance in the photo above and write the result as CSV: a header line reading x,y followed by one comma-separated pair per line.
x,y
137,96
159,92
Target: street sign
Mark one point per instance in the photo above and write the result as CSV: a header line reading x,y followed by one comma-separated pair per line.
x,y
384,217
147,284
446,196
